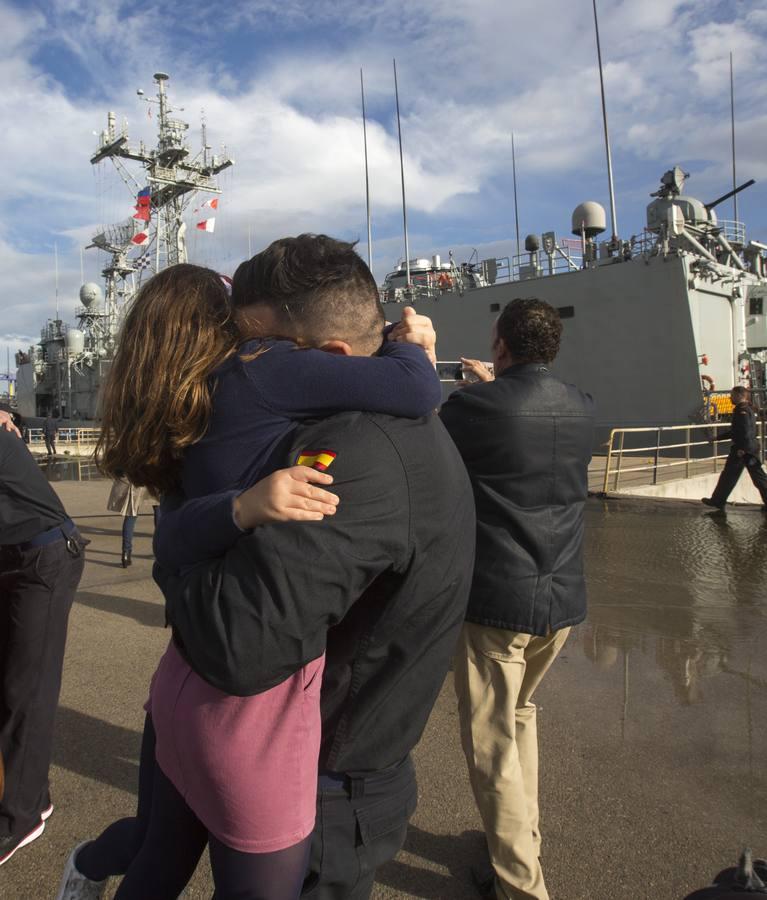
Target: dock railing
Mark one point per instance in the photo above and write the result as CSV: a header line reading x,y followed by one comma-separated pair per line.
x,y
670,449
72,441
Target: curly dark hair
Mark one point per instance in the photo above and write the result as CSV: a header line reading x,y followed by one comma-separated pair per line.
x,y
531,330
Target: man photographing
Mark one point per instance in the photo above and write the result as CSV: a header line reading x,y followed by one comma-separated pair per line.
x,y
526,440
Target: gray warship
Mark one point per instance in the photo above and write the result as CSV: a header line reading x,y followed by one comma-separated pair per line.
x,y
62,374
652,325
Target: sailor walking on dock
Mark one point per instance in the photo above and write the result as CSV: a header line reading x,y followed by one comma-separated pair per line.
x,y
744,453
50,430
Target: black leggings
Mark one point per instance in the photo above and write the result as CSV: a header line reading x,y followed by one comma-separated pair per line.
x,y
159,849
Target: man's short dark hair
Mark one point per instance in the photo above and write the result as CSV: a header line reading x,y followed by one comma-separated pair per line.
x,y
318,288
740,391
531,330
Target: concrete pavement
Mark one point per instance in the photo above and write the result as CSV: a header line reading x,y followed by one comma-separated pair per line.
x,y
652,722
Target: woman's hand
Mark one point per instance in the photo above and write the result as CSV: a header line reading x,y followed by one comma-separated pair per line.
x,y
288,495
415,329
476,368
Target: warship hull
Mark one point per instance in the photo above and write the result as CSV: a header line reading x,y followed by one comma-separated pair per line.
x,y
634,334
37,396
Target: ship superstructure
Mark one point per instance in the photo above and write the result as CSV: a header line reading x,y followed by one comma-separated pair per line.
x,y
62,374
651,324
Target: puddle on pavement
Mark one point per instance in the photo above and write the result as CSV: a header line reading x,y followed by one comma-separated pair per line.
x,y
690,583
670,670
59,469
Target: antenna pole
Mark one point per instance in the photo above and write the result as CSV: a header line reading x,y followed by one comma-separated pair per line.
x,y
402,175
732,128
204,130
367,176
607,134
514,177
56,273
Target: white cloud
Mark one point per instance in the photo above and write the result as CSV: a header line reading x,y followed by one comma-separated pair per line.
x,y
469,73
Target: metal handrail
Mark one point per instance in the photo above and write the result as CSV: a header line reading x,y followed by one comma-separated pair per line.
x,y
83,439
620,451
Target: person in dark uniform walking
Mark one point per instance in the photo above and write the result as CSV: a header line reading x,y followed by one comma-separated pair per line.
x,y
50,430
41,561
744,453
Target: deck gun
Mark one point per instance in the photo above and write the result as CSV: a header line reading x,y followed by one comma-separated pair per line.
x,y
732,193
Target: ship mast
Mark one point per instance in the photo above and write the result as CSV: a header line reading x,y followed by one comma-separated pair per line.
x,y
173,178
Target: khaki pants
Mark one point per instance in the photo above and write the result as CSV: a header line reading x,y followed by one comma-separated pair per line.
x,y
496,673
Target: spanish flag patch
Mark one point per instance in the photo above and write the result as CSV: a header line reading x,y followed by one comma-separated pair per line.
x,y
316,459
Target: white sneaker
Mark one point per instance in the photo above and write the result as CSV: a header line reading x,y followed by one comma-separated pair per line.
x,y
75,886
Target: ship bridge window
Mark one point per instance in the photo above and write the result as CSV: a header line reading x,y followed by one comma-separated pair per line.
x,y
566,312
756,306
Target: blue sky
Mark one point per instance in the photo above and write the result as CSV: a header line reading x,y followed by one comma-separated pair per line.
x,y
279,83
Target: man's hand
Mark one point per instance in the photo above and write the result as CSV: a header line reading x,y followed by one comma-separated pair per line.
x,y
7,422
416,329
477,368
287,495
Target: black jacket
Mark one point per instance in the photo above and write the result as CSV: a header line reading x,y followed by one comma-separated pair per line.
x,y
742,430
526,439
389,574
28,504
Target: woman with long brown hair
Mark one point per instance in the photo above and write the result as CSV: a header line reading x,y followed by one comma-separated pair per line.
x,y
184,409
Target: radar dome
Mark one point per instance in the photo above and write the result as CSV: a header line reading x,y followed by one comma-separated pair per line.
x,y
532,243
591,217
90,295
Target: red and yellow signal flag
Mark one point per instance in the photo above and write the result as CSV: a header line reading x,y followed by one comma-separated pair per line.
x,y
316,459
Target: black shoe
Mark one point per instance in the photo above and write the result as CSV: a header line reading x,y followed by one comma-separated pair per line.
x,y
707,501
484,881
126,560
12,842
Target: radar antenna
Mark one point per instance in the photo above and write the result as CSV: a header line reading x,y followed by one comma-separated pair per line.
x,y
172,177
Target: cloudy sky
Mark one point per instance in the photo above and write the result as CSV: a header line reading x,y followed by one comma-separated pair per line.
x,y
279,83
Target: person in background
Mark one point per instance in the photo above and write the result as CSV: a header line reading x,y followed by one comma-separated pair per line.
x,y
41,562
744,453
126,500
526,440
50,430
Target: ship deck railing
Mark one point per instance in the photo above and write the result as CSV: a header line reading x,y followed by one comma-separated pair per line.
x,y
69,441
648,455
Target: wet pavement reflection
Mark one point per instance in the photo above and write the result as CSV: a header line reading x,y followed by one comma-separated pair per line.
x,y
668,676
681,586
77,469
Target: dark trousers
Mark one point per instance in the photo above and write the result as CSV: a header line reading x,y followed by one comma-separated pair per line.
x,y
732,471
50,445
361,824
37,588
